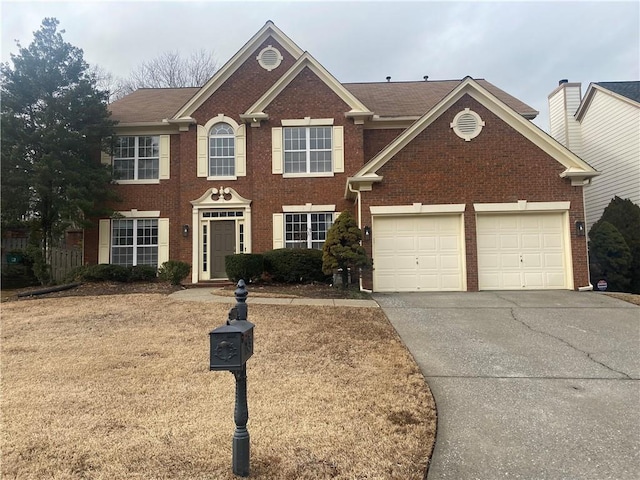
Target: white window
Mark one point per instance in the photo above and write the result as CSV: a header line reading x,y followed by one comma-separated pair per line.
x,y
134,242
222,151
307,149
306,230
136,158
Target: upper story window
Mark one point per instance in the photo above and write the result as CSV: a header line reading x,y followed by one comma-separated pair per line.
x,y
221,150
136,158
307,149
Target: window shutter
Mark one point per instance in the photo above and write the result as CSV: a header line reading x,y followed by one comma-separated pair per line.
x,y
163,240
278,230
276,150
105,158
165,149
338,149
241,148
202,152
104,237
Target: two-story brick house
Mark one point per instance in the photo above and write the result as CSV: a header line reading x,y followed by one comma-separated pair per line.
x,y
452,184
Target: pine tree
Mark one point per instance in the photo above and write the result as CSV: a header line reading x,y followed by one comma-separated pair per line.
x,y
342,249
54,122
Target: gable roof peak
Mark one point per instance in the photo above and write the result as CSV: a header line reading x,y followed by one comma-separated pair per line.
x,y
268,30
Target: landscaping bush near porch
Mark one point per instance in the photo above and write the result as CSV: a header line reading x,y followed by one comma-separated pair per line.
x,y
119,387
295,265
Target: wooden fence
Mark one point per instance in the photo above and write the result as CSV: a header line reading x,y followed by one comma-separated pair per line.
x,y
63,261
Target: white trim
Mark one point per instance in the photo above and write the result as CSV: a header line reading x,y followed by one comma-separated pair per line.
x,y
279,58
418,208
133,213
522,206
590,94
307,121
308,207
307,175
203,138
467,136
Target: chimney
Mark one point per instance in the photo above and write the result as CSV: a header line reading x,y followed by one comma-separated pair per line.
x,y
563,104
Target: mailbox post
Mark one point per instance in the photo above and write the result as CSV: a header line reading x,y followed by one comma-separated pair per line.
x,y
231,347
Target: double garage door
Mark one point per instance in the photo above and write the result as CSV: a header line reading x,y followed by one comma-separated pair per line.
x,y
427,252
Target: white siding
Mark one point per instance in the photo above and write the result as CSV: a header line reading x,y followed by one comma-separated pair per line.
x,y
572,102
611,144
557,116
563,126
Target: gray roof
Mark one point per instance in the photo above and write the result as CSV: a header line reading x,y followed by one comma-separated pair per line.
x,y
631,90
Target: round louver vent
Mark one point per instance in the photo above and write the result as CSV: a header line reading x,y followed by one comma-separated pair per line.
x,y
269,58
467,124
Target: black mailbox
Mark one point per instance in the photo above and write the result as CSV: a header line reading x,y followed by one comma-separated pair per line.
x,y
231,345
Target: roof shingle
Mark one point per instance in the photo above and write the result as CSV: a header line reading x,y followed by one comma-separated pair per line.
x,y
631,90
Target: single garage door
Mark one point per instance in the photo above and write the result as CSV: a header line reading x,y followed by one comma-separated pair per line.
x,y
417,253
521,251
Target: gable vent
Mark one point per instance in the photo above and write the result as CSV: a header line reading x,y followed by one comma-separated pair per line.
x,y
467,124
269,58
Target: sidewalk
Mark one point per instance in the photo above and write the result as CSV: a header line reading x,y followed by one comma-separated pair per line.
x,y
209,295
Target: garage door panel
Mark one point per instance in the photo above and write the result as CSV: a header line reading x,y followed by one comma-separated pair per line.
x,y
417,253
530,252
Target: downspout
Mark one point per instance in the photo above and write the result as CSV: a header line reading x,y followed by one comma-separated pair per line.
x,y
587,288
359,200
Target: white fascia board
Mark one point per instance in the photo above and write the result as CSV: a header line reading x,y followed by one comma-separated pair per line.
x,y
306,60
521,206
418,208
308,207
133,213
234,63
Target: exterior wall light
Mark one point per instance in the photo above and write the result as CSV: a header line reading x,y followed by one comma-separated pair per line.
x,y
185,230
579,229
367,232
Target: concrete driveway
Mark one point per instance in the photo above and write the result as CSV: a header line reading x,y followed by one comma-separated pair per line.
x,y
528,385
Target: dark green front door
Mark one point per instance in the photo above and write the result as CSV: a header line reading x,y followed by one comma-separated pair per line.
x,y
223,243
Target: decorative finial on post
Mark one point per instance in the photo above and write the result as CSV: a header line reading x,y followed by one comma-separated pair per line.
x,y
241,300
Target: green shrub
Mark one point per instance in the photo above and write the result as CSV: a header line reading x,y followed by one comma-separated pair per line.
x,y
142,273
245,266
103,272
624,215
610,257
174,271
18,276
294,265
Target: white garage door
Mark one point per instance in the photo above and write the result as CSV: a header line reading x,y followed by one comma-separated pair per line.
x,y
417,253
521,251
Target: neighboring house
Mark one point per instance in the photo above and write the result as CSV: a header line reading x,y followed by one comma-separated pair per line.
x,y
603,128
455,187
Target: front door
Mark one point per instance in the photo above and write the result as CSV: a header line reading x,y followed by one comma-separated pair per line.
x,y
223,243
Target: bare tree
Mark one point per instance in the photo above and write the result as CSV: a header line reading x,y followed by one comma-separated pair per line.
x,y
106,81
170,70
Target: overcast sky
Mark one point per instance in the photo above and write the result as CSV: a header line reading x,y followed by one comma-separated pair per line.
x,y
522,47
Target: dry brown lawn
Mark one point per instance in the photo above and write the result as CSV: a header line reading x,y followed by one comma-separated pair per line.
x,y
118,387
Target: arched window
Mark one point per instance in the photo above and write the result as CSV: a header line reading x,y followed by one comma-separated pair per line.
x,y
222,151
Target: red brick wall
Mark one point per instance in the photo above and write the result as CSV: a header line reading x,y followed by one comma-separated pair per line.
x,y
498,166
